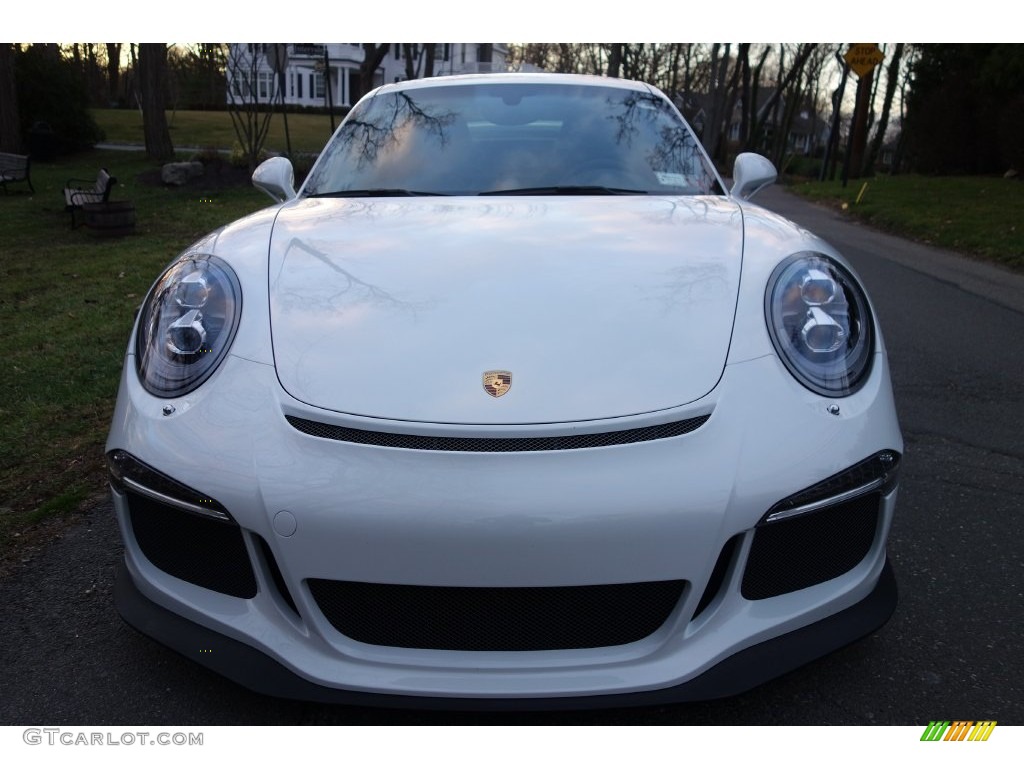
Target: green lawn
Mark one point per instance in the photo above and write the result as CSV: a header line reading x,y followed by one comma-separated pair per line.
x,y
190,128
977,215
66,306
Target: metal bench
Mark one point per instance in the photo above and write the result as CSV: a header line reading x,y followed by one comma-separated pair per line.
x,y
14,168
76,196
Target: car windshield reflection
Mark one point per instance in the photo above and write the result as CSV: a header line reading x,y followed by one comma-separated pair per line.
x,y
514,138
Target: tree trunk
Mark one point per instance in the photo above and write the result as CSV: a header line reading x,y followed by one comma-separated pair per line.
x,y
673,72
732,93
153,84
113,71
769,105
892,76
565,54
688,61
10,125
428,65
718,119
614,60
411,65
785,125
743,61
749,139
373,55
859,131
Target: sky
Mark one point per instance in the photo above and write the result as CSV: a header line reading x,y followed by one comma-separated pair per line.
x,y
515,21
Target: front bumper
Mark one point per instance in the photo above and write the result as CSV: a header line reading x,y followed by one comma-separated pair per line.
x,y
311,509
744,670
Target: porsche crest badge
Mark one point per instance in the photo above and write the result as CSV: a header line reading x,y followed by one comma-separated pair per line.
x,y
497,383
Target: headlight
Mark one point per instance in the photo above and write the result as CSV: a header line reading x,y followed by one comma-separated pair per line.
x,y
186,324
820,324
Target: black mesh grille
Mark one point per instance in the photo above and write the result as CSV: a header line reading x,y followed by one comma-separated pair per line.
x,y
496,618
496,444
200,550
801,551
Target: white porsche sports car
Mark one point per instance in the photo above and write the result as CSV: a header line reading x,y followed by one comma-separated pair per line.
x,y
510,404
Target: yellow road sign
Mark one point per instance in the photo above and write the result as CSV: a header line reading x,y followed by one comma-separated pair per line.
x,y
863,57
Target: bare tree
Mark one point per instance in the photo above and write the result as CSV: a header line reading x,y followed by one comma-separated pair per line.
x,y
673,67
719,96
892,81
614,59
429,62
250,121
113,71
373,55
10,126
729,78
765,111
743,67
530,54
199,73
795,99
419,59
817,71
153,99
413,54
905,83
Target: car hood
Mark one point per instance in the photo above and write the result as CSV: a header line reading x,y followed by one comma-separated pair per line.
x,y
599,307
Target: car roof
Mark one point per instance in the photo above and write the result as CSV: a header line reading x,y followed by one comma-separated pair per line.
x,y
515,77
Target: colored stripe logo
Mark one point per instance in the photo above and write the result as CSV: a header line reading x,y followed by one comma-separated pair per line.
x,y
958,730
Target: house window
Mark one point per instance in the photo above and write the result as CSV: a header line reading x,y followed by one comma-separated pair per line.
x,y
242,86
266,85
316,85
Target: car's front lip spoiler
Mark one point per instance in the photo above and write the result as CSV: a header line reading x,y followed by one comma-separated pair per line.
x,y
739,673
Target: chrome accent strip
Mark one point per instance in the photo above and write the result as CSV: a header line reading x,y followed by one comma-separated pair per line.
x,y
816,505
185,505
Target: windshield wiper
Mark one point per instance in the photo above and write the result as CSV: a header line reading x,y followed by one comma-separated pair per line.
x,y
382,192
566,190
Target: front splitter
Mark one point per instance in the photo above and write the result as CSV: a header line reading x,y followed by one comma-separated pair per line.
x,y
740,672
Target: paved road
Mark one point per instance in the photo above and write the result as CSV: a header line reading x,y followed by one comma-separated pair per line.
x,y
953,650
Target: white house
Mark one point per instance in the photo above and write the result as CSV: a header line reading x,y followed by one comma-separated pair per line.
x,y
310,68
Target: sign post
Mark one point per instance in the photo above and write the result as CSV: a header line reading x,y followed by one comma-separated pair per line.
x,y
862,58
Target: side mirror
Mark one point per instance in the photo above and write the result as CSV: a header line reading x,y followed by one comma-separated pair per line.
x,y
750,173
276,177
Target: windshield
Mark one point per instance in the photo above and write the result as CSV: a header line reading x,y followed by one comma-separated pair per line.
x,y
512,138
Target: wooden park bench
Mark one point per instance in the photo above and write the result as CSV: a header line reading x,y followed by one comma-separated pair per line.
x,y
14,168
76,196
